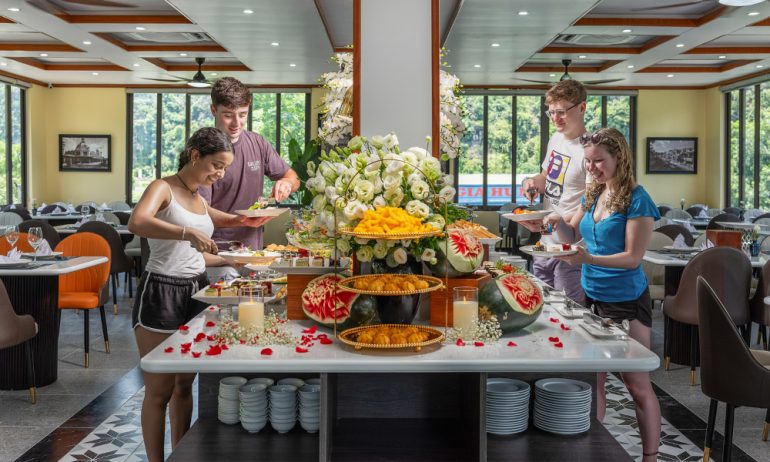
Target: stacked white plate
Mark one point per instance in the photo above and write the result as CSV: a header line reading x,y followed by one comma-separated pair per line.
x,y
292,381
310,407
253,410
228,411
562,406
283,407
507,406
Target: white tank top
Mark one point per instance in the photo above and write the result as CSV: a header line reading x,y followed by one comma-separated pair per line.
x,y
175,257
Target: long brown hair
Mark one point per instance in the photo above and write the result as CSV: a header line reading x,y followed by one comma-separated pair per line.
x,y
615,144
206,140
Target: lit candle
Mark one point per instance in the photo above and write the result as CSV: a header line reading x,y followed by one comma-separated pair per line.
x,y
251,314
465,308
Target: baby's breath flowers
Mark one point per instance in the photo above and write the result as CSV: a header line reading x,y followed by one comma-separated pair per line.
x,y
486,329
274,332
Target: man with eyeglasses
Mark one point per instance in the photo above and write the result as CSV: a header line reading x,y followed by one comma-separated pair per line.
x,y
562,181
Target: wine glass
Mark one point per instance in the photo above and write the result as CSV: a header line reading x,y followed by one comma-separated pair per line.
x,y
85,211
12,235
35,238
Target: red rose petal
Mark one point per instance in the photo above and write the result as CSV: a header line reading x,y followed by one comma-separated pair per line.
x,y
210,324
320,336
200,337
186,346
184,329
169,349
243,342
266,352
326,341
553,339
512,344
460,342
558,345
224,347
554,320
196,354
311,330
478,344
210,338
300,350
214,350
563,327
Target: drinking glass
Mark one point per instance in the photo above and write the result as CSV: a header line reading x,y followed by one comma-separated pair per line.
x,y
85,211
12,235
35,238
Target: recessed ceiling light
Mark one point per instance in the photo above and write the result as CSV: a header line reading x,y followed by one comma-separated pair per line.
x,y
680,45
626,31
214,73
722,56
739,2
495,45
292,65
582,56
523,13
275,44
670,75
630,66
86,42
3,63
248,11
140,28
754,13
137,64
760,66
551,75
477,65
43,54
94,73
14,9
182,54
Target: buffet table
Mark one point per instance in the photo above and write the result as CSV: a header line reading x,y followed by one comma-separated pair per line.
x,y
401,405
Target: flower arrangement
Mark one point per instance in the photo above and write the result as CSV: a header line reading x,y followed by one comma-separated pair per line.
x,y
754,233
274,332
337,121
485,329
373,172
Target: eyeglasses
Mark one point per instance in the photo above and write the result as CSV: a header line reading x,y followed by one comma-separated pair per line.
x,y
560,112
593,138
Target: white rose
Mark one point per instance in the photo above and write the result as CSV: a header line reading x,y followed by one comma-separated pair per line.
x,y
394,197
380,250
318,203
311,168
417,209
377,141
379,201
420,189
365,254
400,255
320,183
420,153
391,141
393,163
447,193
361,240
437,221
343,245
391,181
377,183
428,255
431,166
364,191
351,210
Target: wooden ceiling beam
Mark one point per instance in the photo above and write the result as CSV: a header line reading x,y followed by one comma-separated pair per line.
x,y
653,22
690,69
171,67
62,47
732,50
68,66
123,19
636,50
191,47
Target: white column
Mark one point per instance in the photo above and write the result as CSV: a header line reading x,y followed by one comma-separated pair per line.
x,y
396,69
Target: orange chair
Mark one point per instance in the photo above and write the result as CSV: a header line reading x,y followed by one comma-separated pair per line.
x,y
22,244
82,289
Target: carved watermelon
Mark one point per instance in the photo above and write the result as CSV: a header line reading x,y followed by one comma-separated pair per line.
x,y
352,309
514,299
464,257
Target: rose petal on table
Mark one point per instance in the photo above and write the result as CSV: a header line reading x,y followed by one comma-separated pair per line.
x,y
320,336
186,346
310,330
224,347
210,338
196,354
325,341
558,345
565,327
300,350
243,342
266,352
512,344
184,329
214,350
478,344
554,320
169,349
199,337
460,342
553,339
210,324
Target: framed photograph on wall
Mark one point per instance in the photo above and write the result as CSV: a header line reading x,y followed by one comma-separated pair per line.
x,y
85,153
672,155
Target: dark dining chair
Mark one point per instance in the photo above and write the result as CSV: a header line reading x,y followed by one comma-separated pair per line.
x,y
49,232
722,217
17,330
119,262
663,209
730,371
732,287
22,212
758,309
732,210
51,208
695,211
675,230
764,215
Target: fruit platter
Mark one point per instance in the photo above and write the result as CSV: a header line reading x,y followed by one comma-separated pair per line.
x,y
390,223
555,250
391,336
227,293
526,215
246,256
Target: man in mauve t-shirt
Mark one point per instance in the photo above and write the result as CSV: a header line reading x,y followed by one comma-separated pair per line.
x,y
254,158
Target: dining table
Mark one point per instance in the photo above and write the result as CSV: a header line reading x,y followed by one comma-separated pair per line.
x,y
33,288
73,228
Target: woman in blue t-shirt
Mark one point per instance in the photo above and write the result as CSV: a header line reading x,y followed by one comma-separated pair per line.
x,y
616,220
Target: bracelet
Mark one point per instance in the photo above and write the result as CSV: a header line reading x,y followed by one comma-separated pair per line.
x,y
184,228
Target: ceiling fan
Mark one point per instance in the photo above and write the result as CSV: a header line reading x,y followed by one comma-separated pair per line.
x,y
696,2
197,81
567,76
51,7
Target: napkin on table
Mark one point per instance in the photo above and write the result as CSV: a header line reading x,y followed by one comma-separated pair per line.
x,y
104,206
13,206
100,217
689,227
13,256
707,244
679,242
44,248
703,214
42,206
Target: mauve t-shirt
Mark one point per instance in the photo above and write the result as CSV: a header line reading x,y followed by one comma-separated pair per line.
x,y
254,158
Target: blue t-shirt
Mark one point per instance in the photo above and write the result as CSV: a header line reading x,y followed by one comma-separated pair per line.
x,y
608,237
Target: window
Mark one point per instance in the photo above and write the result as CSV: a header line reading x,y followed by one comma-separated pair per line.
x,y
160,123
503,142
747,151
12,148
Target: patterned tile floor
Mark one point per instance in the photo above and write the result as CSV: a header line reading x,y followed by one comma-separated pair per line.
x,y
119,437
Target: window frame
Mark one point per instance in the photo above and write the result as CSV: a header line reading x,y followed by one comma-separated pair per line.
x,y
8,141
544,133
159,124
754,201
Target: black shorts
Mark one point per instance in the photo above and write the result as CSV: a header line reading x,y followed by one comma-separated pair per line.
x,y
163,303
640,309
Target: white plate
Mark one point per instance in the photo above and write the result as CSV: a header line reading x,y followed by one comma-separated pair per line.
x,y
15,264
249,257
32,254
560,386
266,212
285,267
680,249
735,224
534,215
545,253
226,300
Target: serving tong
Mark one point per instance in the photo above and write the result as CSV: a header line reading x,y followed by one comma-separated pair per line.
x,y
607,326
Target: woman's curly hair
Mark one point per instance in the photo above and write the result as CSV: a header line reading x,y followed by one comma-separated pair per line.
x,y
615,144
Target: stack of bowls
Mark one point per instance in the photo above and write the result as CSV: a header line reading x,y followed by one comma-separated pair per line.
x,y
507,406
253,410
228,410
310,407
292,381
267,381
562,406
283,407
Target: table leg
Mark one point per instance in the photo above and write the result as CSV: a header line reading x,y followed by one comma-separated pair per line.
x,y
37,296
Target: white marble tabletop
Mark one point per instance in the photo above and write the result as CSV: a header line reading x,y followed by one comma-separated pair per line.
x,y
534,352
52,217
56,268
668,259
72,229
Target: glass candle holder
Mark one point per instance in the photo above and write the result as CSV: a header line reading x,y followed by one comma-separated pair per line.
x,y
251,307
465,307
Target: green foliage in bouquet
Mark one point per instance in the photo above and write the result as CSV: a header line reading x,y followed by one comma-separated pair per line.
x,y
299,159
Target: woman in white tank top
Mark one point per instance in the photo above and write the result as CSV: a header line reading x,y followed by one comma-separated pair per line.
x,y
178,225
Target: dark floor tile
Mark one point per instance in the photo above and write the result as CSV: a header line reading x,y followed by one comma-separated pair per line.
x,y
55,445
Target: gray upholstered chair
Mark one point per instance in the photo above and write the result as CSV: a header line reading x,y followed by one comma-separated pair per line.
x,y
17,330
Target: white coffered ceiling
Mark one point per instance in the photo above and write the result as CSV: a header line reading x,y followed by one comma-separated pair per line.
x,y
609,39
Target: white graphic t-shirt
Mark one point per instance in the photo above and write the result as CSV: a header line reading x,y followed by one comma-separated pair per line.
x,y
565,179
